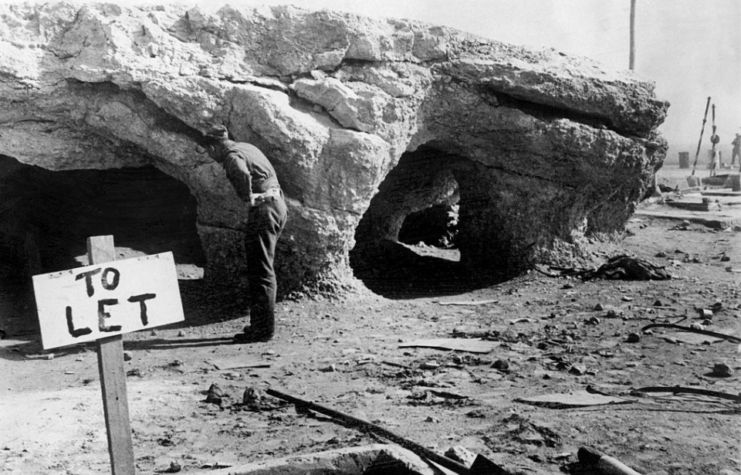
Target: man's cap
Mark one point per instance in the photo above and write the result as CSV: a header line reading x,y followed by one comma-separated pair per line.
x,y
217,132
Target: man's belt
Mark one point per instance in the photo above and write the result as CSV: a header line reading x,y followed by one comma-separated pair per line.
x,y
270,195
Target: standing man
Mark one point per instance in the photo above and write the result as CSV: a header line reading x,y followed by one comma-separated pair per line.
x,y
736,151
255,182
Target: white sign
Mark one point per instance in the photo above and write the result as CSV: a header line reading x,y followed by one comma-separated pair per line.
x,y
107,299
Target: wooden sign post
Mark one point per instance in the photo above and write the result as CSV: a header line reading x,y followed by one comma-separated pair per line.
x,y
100,249
100,303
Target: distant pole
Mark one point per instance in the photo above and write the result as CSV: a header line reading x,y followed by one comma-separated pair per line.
x,y
632,61
702,130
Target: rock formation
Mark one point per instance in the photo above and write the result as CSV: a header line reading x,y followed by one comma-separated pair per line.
x,y
542,151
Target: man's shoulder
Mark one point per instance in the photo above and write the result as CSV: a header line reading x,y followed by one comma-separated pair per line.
x,y
244,148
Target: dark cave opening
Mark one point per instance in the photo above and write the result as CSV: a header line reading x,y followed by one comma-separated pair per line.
x,y
435,226
47,217
407,240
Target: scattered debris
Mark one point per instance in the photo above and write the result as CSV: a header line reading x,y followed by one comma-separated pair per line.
x,y
395,365
432,364
252,396
456,344
678,390
604,463
472,302
173,468
705,312
255,399
214,466
721,370
445,394
578,369
215,395
524,431
481,464
522,320
46,356
573,399
237,363
461,454
501,365
614,313
628,268
693,330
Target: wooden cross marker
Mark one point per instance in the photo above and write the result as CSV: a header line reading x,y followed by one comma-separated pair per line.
x,y
100,249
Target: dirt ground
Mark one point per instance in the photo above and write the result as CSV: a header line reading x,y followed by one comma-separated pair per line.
x,y
557,336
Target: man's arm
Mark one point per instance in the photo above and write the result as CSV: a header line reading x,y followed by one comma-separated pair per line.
x,y
239,176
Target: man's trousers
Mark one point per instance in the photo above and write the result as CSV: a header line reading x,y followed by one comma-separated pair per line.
x,y
265,225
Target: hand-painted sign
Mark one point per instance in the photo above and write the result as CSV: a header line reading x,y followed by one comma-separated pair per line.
x,y
102,300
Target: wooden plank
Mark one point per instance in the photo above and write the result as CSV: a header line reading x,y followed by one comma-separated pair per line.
x,y
721,193
236,363
471,345
578,398
467,302
113,378
690,206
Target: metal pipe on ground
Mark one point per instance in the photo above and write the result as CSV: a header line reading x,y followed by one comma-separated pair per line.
x,y
480,466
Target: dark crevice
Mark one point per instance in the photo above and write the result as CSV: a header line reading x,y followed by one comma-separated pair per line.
x,y
263,82
528,175
550,113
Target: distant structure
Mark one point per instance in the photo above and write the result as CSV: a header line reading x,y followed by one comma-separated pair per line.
x,y
684,159
736,150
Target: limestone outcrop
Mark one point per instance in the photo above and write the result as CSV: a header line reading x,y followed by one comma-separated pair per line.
x,y
542,151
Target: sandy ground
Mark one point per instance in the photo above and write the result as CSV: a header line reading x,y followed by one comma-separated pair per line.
x,y
346,353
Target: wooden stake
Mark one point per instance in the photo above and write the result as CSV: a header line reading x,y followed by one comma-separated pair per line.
x,y
113,378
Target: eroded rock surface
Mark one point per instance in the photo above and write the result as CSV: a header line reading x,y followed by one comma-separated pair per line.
x,y
547,151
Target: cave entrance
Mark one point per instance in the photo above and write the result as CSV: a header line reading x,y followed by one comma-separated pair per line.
x,y
47,217
407,241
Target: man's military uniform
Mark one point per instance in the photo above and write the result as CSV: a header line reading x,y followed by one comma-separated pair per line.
x,y
253,177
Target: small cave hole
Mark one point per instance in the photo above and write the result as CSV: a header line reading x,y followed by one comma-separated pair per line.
x,y
434,226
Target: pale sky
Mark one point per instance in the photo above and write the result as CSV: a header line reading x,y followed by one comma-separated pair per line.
x,y
691,49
